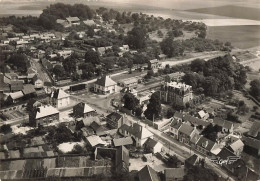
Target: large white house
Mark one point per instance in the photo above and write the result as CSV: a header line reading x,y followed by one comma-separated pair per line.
x,y
59,98
105,85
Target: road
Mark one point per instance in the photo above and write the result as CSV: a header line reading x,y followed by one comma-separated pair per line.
x,y
182,152
41,72
170,61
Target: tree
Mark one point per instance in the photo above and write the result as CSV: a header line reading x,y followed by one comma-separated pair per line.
x,y
170,113
211,85
92,57
197,65
69,64
138,111
19,62
90,32
200,173
29,106
255,88
58,71
171,48
154,107
136,38
6,128
130,101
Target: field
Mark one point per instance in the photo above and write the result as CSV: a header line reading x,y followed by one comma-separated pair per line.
x,y
231,11
240,36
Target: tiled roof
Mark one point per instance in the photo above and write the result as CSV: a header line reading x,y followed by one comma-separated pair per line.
x,y
148,174
59,94
114,116
151,143
186,129
236,145
195,121
223,123
205,143
195,138
72,19
16,95
192,159
255,129
252,142
123,141
105,81
174,173
176,124
95,140
46,111
28,89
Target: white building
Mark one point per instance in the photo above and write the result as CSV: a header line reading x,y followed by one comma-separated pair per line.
x,y
60,99
105,85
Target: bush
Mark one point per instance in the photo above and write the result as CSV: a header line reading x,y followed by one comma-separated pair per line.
x,y
6,128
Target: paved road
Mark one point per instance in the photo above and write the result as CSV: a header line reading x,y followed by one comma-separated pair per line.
x,y
41,73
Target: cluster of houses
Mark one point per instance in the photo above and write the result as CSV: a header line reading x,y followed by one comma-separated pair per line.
x,y
15,88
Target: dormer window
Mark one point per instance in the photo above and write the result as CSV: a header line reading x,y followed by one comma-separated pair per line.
x,y
205,144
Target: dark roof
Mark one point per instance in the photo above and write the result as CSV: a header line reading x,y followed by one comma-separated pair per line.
x,y
28,89
148,174
252,142
114,116
123,141
255,129
151,142
223,123
186,129
192,160
176,124
16,85
3,85
105,81
174,173
195,121
178,115
205,143
100,130
94,125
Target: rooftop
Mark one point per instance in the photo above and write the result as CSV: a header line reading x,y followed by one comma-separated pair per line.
x,y
123,141
105,81
46,111
148,174
186,129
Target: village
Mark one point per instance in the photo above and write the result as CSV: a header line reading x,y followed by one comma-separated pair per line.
x,y
75,105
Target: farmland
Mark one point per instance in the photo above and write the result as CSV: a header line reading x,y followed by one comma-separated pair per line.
x,y
231,11
240,36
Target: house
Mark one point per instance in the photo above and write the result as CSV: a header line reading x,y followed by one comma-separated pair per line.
x,y
8,77
15,97
16,85
255,130
130,82
186,132
191,161
194,140
174,127
64,53
162,56
98,129
236,147
59,98
83,110
123,141
115,120
205,146
154,65
73,20
174,174
148,174
14,154
203,115
227,126
177,93
153,146
89,22
138,132
28,90
124,48
44,115
94,140
252,146
195,121
105,85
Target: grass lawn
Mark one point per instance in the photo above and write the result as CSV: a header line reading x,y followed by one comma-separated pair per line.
x,y
239,36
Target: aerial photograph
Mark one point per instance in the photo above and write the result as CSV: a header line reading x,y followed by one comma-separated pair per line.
x,y
130,90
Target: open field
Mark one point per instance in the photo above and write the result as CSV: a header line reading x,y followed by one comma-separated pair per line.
x,y
240,36
228,22
231,11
